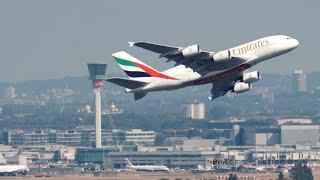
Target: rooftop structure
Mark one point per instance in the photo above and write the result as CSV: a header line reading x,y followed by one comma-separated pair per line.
x,y
97,73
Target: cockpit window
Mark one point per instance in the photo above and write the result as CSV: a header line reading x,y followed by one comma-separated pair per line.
x,y
288,38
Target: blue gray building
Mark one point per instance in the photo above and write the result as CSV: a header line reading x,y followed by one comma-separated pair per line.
x,y
299,134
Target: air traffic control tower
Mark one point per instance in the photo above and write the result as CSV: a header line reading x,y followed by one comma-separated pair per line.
x,y
97,74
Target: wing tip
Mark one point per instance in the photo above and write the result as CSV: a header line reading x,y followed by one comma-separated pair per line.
x,y
131,43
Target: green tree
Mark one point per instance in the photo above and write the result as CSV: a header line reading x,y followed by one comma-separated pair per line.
x,y
308,172
232,177
299,172
281,176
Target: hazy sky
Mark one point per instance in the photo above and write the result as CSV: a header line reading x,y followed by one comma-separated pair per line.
x,y
52,39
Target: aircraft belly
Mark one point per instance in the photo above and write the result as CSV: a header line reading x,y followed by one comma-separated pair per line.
x,y
218,76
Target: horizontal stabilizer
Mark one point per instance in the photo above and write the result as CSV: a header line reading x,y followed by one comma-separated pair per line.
x,y
127,83
139,95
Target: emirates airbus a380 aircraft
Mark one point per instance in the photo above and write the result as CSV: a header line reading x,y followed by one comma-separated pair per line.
x,y
227,70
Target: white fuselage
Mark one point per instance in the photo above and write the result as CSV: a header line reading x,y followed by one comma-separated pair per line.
x,y
149,168
7,169
242,58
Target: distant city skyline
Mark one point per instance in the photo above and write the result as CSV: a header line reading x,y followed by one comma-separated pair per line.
x,y
54,39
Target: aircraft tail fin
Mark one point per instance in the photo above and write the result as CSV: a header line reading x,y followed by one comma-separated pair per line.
x,y
136,69
2,159
127,163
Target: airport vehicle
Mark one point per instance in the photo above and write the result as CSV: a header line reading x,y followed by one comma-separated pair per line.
x,y
149,168
227,70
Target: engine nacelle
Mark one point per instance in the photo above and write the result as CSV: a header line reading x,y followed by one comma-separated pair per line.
x,y
251,77
241,87
221,56
191,51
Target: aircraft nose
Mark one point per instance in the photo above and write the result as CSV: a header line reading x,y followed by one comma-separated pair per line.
x,y
295,43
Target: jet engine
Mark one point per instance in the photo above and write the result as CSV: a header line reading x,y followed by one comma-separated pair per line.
x,y
221,56
191,51
251,77
241,87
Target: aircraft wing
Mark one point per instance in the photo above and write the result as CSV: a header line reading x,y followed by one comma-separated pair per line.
x,y
157,48
222,87
218,90
197,62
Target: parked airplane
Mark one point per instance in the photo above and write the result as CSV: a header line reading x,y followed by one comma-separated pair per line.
x,y
203,168
12,170
150,168
227,70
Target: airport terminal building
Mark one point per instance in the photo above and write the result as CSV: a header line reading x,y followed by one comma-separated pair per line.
x,y
171,159
78,137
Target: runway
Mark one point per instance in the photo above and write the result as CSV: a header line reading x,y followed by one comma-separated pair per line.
x,y
152,176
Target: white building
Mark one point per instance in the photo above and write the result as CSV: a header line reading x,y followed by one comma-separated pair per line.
x,y
196,111
10,92
299,81
294,121
137,136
